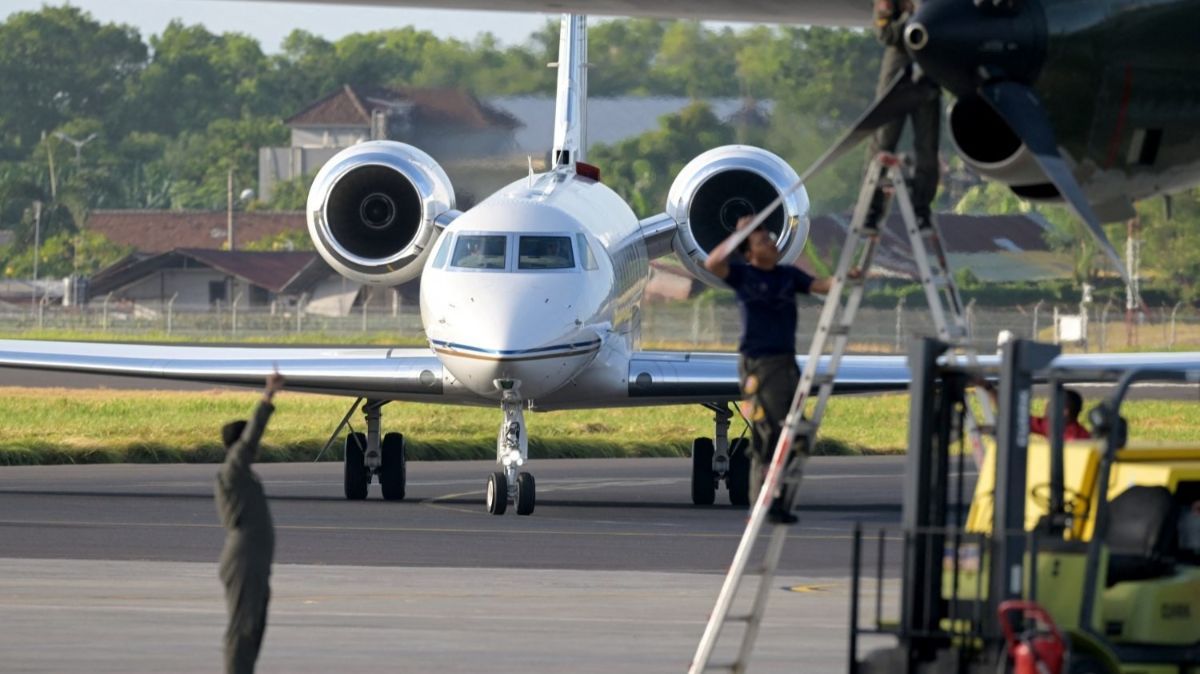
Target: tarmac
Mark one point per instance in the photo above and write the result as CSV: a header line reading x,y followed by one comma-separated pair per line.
x,y
112,569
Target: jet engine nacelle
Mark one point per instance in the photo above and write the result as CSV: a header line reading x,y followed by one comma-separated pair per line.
x,y
993,150
718,187
372,209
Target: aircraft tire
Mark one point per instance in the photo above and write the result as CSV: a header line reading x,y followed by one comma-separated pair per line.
x,y
356,479
704,487
496,494
394,470
525,494
738,479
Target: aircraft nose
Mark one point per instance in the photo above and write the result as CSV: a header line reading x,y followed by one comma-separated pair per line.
x,y
529,328
962,44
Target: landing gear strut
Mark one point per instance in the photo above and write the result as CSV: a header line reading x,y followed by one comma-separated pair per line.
x,y
716,460
368,454
512,450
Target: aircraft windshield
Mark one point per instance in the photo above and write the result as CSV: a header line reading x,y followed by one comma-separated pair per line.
x,y
479,251
545,252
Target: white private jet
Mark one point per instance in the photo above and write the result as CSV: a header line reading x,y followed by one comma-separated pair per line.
x,y
529,300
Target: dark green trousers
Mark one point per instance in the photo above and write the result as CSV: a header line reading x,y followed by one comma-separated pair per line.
x,y
247,593
926,121
769,383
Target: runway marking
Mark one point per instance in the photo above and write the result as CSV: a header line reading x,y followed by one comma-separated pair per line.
x,y
279,612
422,530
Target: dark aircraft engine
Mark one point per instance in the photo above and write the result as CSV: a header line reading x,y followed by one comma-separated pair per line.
x,y
371,211
723,184
989,146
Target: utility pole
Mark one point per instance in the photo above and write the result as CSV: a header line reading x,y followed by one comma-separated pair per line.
x,y
50,161
1133,259
37,235
229,210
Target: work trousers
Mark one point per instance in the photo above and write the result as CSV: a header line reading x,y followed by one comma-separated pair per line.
x,y
247,593
768,383
926,121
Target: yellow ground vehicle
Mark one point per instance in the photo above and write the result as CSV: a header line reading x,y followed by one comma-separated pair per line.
x,y
1104,535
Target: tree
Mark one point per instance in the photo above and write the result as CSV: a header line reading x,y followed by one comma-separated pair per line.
x,y
199,162
63,254
58,64
641,169
196,78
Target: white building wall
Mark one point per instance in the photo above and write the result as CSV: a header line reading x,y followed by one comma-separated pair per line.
x,y
191,284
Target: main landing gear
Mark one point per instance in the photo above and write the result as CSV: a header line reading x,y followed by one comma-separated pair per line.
x,y
509,483
716,460
368,454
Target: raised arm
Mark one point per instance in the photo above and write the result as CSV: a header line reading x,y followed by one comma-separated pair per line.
x,y
244,451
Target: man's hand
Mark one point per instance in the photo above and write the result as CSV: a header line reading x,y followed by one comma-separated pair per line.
x,y
717,259
275,383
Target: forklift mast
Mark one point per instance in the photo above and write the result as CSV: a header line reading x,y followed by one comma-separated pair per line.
x,y
938,399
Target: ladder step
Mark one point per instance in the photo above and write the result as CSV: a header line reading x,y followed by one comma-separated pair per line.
x,y
724,667
840,330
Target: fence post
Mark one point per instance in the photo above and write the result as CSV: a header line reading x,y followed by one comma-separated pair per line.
x,y
104,315
1055,324
1037,307
41,310
1171,341
971,319
695,322
365,302
300,310
233,314
899,325
1104,326
171,311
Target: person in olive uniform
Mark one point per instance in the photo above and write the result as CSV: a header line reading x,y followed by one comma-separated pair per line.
x,y
891,16
766,294
245,566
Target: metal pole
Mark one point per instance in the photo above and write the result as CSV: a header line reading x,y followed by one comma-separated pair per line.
x,y
171,311
1171,340
104,321
229,210
899,324
233,313
1037,307
1104,326
365,302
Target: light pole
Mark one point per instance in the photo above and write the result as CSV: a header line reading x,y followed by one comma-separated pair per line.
x,y
78,145
246,195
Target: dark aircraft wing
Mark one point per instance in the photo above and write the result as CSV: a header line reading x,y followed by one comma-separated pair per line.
x,y
818,12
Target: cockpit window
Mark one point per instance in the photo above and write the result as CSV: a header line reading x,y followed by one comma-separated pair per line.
x,y
585,252
439,260
545,252
479,251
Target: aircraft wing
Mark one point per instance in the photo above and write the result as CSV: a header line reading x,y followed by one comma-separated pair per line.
x,y
669,377
816,12
380,373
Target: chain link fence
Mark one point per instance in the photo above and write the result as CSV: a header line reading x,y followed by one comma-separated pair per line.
x,y
693,325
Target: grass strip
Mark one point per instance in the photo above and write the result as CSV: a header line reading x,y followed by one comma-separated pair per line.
x,y
55,426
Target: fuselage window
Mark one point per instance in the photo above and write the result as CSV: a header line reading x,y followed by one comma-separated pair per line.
x,y
585,252
439,260
545,252
479,251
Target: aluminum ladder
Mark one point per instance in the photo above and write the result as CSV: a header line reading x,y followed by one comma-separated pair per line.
x,y
780,493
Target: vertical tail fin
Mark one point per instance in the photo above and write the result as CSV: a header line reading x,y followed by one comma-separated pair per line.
x,y
570,113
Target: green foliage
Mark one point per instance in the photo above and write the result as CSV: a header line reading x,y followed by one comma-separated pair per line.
x,y
64,254
297,239
641,169
290,195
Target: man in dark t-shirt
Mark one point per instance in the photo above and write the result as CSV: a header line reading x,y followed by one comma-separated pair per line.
x,y
766,293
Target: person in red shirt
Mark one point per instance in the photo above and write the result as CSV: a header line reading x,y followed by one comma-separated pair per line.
x,y
1072,429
